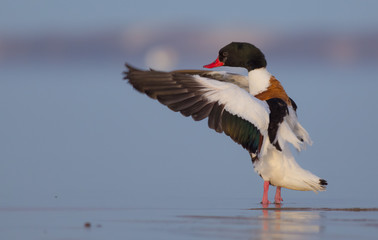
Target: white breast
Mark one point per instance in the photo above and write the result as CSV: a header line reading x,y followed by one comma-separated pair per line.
x,y
259,80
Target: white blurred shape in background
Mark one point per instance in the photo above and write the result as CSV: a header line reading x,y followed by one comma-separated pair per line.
x,y
161,58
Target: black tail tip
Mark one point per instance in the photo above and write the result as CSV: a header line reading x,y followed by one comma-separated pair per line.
x,y
323,182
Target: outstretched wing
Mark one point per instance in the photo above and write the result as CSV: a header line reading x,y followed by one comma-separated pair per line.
x,y
229,108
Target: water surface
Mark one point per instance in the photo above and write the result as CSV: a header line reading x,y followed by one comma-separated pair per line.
x,y
289,221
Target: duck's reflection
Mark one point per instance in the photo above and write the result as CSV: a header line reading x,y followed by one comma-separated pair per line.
x,y
281,223
258,223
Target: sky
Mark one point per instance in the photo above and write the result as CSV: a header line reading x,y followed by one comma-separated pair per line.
x,y
73,133
70,15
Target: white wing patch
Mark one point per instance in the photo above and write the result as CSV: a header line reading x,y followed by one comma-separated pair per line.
x,y
292,131
237,101
298,130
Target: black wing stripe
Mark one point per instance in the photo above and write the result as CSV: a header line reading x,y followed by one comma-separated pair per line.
x,y
278,110
293,104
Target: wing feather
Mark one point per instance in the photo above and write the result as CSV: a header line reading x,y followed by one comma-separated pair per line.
x,y
203,112
228,107
239,80
215,117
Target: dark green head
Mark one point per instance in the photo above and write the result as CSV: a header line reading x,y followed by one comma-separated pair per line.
x,y
239,54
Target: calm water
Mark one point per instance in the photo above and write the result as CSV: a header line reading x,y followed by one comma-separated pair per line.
x,y
79,145
291,221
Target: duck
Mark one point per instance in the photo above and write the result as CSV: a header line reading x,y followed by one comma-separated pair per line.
x,y
254,110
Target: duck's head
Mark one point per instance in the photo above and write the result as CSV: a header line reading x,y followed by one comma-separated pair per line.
x,y
239,54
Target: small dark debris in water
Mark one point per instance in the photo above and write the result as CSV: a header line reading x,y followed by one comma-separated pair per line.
x,y
56,196
89,225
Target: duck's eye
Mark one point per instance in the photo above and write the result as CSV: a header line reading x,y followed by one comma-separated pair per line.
x,y
225,54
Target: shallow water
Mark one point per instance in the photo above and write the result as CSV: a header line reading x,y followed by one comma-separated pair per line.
x,y
289,221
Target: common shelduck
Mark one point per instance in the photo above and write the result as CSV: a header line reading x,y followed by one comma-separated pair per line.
x,y
254,110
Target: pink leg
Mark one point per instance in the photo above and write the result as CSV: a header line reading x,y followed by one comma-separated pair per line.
x,y
278,199
265,202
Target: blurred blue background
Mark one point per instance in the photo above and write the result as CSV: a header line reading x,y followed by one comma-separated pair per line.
x,y
72,133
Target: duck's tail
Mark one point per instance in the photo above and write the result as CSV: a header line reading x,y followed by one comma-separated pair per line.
x,y
304,181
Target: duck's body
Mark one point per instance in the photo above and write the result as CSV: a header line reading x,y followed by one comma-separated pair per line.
x,y
254,110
